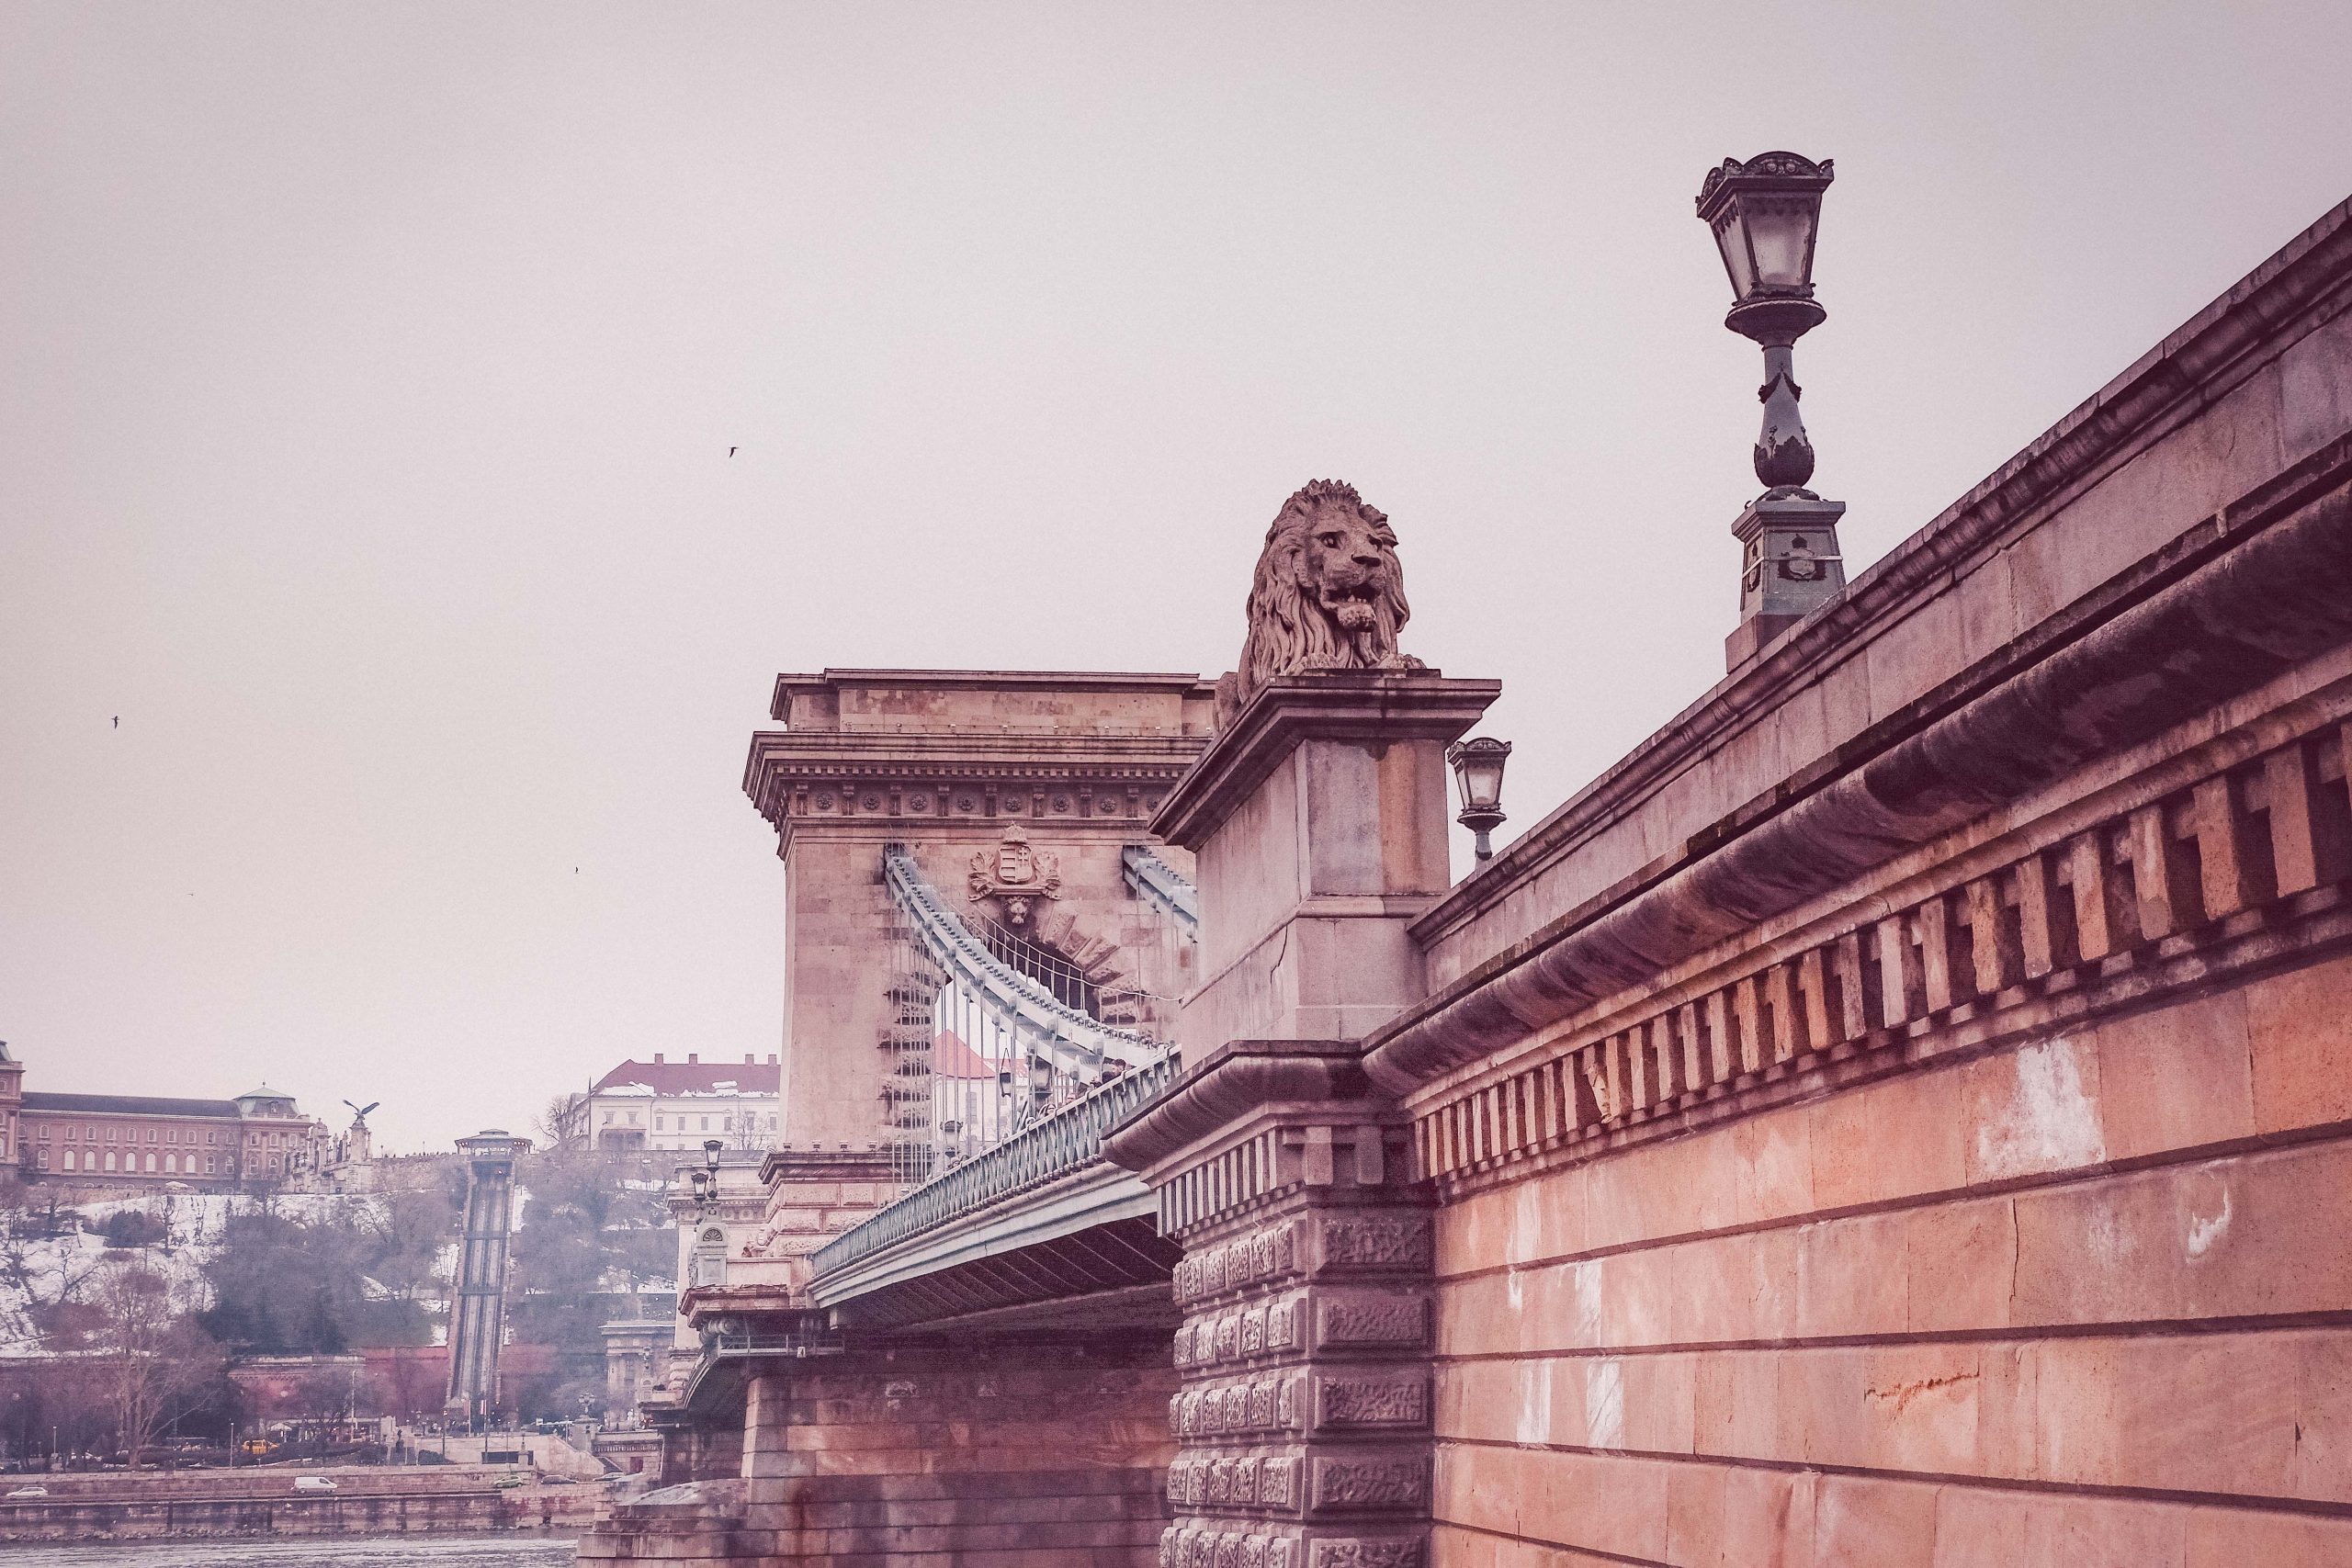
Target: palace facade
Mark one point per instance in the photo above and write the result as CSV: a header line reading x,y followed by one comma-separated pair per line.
x,y
261,1134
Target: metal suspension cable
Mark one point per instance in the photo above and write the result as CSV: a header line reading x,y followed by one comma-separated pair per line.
x,y
1025,1007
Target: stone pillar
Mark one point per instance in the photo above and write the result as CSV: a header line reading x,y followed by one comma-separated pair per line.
x,y
1318,818
1319,821
1303,1421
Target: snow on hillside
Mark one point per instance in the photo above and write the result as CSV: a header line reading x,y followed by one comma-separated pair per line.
x,y
41,1268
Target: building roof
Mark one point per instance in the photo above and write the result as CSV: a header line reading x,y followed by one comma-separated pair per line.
x,y
951,1058
695,1076
129,1105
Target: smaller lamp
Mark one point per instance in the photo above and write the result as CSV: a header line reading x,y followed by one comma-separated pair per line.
x,y
710,1147
701,1182
1477,766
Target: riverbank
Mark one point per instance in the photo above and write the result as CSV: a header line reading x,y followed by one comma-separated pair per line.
x,y
410,1552
399,1501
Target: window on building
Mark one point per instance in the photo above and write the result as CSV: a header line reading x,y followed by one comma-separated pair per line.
x,y
44,1159
151,1134
68,1163
109,1159
89,1134
273,1163
151,1160
208,1165
44,1131
111,1132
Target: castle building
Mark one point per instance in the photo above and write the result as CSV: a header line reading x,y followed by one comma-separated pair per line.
x,y
261,1134
663,1104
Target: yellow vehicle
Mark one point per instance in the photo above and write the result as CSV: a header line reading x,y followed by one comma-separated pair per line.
x,y
260,1448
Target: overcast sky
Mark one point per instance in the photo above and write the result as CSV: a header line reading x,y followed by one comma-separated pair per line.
x,y
368,375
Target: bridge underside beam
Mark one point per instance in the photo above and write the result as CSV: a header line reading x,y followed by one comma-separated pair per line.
x,y
1124,1261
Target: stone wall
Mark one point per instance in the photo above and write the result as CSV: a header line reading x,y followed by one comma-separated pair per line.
x,y
1041,1454
1925,1140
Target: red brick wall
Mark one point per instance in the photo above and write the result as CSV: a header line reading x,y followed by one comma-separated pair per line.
x,y
2080,1302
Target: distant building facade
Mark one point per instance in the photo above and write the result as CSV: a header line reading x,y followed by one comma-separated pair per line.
x,y
261,1134
663,1104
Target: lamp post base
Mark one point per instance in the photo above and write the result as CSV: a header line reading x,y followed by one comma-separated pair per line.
x,y
1790,564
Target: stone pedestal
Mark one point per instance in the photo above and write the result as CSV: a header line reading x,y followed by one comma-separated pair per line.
x,y
1790,565
1318,818
1303,1421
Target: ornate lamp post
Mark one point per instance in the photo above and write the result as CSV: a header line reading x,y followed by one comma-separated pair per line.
x,y
706,1180
1765,215
1478,765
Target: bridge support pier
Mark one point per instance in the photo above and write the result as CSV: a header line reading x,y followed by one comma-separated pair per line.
x,y
1023,1452
1304,1419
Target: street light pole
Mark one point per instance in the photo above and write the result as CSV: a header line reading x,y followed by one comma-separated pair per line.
x,y
1765,215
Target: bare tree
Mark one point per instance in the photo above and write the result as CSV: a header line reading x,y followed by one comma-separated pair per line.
x,y
563,1123
152,1358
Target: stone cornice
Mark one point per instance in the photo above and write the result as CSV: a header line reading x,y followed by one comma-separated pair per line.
x,y
2305,283
1372,706
2228,606
826,1165
832,776
1180,685
1236,1081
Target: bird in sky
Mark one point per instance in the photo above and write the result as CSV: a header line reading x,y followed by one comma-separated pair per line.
x,y
730,451
117,721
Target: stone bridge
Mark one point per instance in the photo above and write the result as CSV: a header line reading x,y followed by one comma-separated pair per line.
x,y
1895,1116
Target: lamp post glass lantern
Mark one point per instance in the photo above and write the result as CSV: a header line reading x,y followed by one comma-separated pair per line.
x,y
710,1147
1765,215
1477,766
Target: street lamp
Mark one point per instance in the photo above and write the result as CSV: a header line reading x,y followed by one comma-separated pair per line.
x,y
1477,766
1765,215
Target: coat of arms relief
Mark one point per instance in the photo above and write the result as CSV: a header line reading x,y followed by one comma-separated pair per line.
x,y
1016,875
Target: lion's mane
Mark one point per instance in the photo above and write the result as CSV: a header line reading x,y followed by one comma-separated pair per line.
x,y
1290,628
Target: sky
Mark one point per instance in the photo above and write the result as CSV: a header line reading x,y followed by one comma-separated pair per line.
x,y
384,620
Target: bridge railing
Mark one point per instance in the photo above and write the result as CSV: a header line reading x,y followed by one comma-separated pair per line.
x,y
1068,1140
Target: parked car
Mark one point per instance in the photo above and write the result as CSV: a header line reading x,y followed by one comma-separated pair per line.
x,y
559,1481
29,1492
508,1482
314,1484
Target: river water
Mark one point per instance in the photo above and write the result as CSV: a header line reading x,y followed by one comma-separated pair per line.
x,y
314,1551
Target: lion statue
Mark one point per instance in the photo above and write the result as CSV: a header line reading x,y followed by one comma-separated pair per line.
x,y
1327,594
